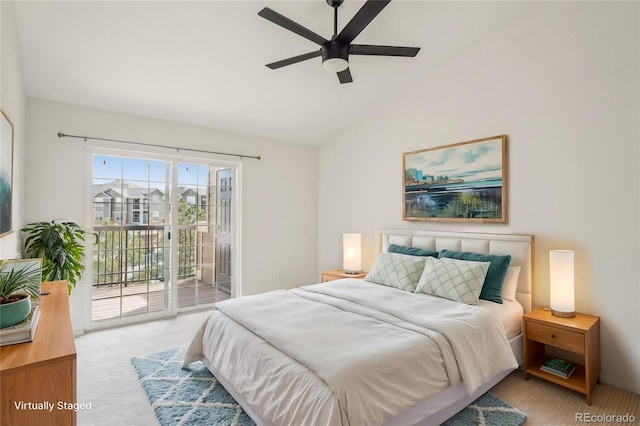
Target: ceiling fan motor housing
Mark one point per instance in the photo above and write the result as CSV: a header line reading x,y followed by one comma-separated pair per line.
x,y
335,56
335,50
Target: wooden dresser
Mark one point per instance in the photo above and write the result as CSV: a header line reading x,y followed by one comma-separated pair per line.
x,y
43,371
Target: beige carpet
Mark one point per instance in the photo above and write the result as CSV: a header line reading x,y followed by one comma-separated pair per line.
x,y
107,380
547,404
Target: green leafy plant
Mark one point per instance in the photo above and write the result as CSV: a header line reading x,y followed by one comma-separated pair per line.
x,y
60,245
25,280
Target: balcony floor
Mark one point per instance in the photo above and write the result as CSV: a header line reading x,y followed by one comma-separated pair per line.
x,y
112,302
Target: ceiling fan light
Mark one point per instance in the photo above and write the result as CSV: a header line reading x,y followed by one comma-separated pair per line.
x,y
335,57
335,64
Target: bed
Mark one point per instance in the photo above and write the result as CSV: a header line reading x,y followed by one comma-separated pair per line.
x,y
352,352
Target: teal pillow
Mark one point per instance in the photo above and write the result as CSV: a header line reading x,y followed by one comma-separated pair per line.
x,y
411,251
494,281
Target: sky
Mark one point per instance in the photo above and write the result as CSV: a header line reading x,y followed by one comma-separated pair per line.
x,y
108,168
479,160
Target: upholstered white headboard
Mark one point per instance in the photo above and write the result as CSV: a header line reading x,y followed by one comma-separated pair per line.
x,y
520,247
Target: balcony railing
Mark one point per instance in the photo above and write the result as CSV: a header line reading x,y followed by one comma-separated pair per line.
x,y
131,254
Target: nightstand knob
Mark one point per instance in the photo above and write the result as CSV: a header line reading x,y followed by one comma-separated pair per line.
x,y
552,336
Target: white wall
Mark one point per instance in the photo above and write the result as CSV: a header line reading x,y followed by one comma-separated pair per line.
x,y
12,103
279,192
563,84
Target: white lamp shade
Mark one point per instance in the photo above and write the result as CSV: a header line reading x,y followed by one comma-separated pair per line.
x,y
351,252
562,296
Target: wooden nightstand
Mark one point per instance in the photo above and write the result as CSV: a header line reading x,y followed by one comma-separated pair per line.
x,y
336,274
579,335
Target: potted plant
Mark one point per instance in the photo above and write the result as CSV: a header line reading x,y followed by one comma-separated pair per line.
x,y
60,245
17,287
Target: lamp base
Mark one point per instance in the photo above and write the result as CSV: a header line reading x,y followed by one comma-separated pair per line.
x,y
351,272
563,314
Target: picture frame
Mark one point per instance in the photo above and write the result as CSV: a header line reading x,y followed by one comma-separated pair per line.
x,y
6,174
461,182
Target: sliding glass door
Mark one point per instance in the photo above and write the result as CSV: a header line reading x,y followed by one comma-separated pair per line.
x,y
165,236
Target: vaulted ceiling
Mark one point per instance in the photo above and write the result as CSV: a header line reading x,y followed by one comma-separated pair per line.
x,y
203,63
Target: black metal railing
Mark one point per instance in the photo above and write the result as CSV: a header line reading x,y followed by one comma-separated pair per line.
x,y
131,254
187,252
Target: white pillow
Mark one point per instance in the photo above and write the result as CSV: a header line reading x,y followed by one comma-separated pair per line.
x,y
511,283
396,270
454,279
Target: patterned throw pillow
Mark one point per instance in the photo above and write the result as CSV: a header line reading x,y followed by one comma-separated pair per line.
x,y
459,280
492,287
396,270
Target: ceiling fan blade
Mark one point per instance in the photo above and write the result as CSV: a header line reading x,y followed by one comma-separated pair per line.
x,y
295,59
284,22
345,76
364,16
367,49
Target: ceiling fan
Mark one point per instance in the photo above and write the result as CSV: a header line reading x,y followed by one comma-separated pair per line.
x,y
335,52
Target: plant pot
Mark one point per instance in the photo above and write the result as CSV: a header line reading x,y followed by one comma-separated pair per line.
x,y
15,312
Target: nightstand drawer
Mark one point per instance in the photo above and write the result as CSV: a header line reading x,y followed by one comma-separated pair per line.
x,y
554,336
326,278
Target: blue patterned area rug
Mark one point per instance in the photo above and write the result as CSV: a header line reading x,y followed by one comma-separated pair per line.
x,y
488,410
193,397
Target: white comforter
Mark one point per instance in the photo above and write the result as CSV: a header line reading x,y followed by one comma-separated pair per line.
x,y
348,352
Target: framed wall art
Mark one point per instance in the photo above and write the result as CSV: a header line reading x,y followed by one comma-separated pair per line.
x,y
465,181
6,173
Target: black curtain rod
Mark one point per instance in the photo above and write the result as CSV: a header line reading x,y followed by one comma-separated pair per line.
x,y
62,135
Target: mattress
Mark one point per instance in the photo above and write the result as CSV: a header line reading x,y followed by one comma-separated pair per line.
x,y
509,314
295,357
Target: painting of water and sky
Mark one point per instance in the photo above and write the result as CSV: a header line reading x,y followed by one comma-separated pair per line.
x,y
460,182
